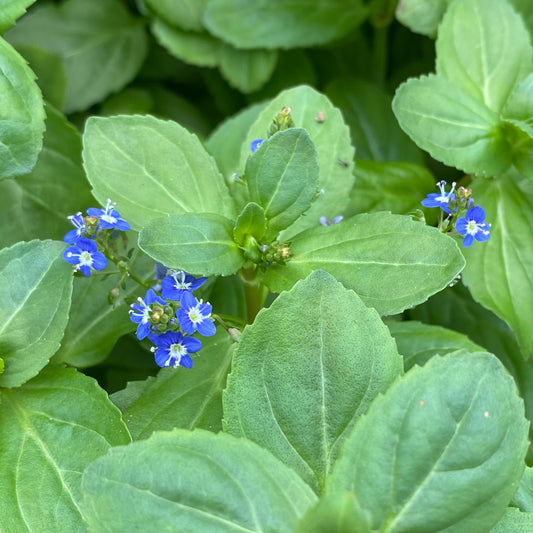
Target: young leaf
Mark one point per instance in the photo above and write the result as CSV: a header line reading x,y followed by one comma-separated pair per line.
x,y
99,56
193,481
181,398
443,449
498,273
421,16
51,428
453,126
201,244
22,124
299,393
35,290
251,221
282,23
390,261
282,177
473,38
331,138
151,167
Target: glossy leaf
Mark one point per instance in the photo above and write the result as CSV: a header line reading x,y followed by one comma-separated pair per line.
x,y
331,138
193,481
184,398
390,261
450,440
201,244
99,56
22,124
498,272
35,290
299,394
11,11
282,23
151,168
52,428
251,221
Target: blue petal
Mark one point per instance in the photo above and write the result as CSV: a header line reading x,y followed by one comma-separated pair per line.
x,y
86,245
143,330
186,361
193,345
206,328
122,225
476,213
185,322
99,260
461,226
483,233
72,236
255,144
152,297
187,300
85,270
468,240
161,357
74,259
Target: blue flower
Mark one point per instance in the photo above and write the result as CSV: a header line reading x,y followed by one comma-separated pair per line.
x,y
179,282
194,316
173,349
140,312
441,199
325,221
254,145
472,225
109,217
73,235
85,255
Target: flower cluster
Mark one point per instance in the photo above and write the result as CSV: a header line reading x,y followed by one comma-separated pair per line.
x,y
169,319
90,234
467,219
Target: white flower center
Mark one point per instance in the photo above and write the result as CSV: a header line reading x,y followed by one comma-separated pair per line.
x,y
85,259
472,227
108,218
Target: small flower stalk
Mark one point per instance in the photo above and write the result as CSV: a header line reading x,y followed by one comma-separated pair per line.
x,y
467,219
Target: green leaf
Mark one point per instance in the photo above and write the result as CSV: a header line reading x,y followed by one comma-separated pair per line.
x,y
51,428
100,55
519,107
514,521
11,11
251,221
523,497
305,371
366,108
186,14
182,398
390,261
53,190
282,23
282,177
336,513
421,16
199,49
449,438
22,124
470,50
418,342
151,167
395,187
35,290
247,70
496,272
452,125
331,138
94,326
201,244
201,482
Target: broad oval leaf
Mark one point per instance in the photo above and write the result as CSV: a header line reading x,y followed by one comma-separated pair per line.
x,y
499,273
151,167
442,450
452,125
51,429
473,37
99,56
282,23
421,16
193,481
184,398
304,372
22,124
331,138
251,221
282,177
201,244
35,290
390,261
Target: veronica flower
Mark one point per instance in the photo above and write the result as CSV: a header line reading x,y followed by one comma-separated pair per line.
x,y
109,217
177,283
325,221
441,199
85,256
173,349
194,316
140,312
473,226
254,145
74,234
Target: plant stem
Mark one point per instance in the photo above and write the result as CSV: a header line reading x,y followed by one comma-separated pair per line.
x,y
252,292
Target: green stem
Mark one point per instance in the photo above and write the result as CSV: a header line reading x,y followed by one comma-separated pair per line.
x,y
380,53
252,293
